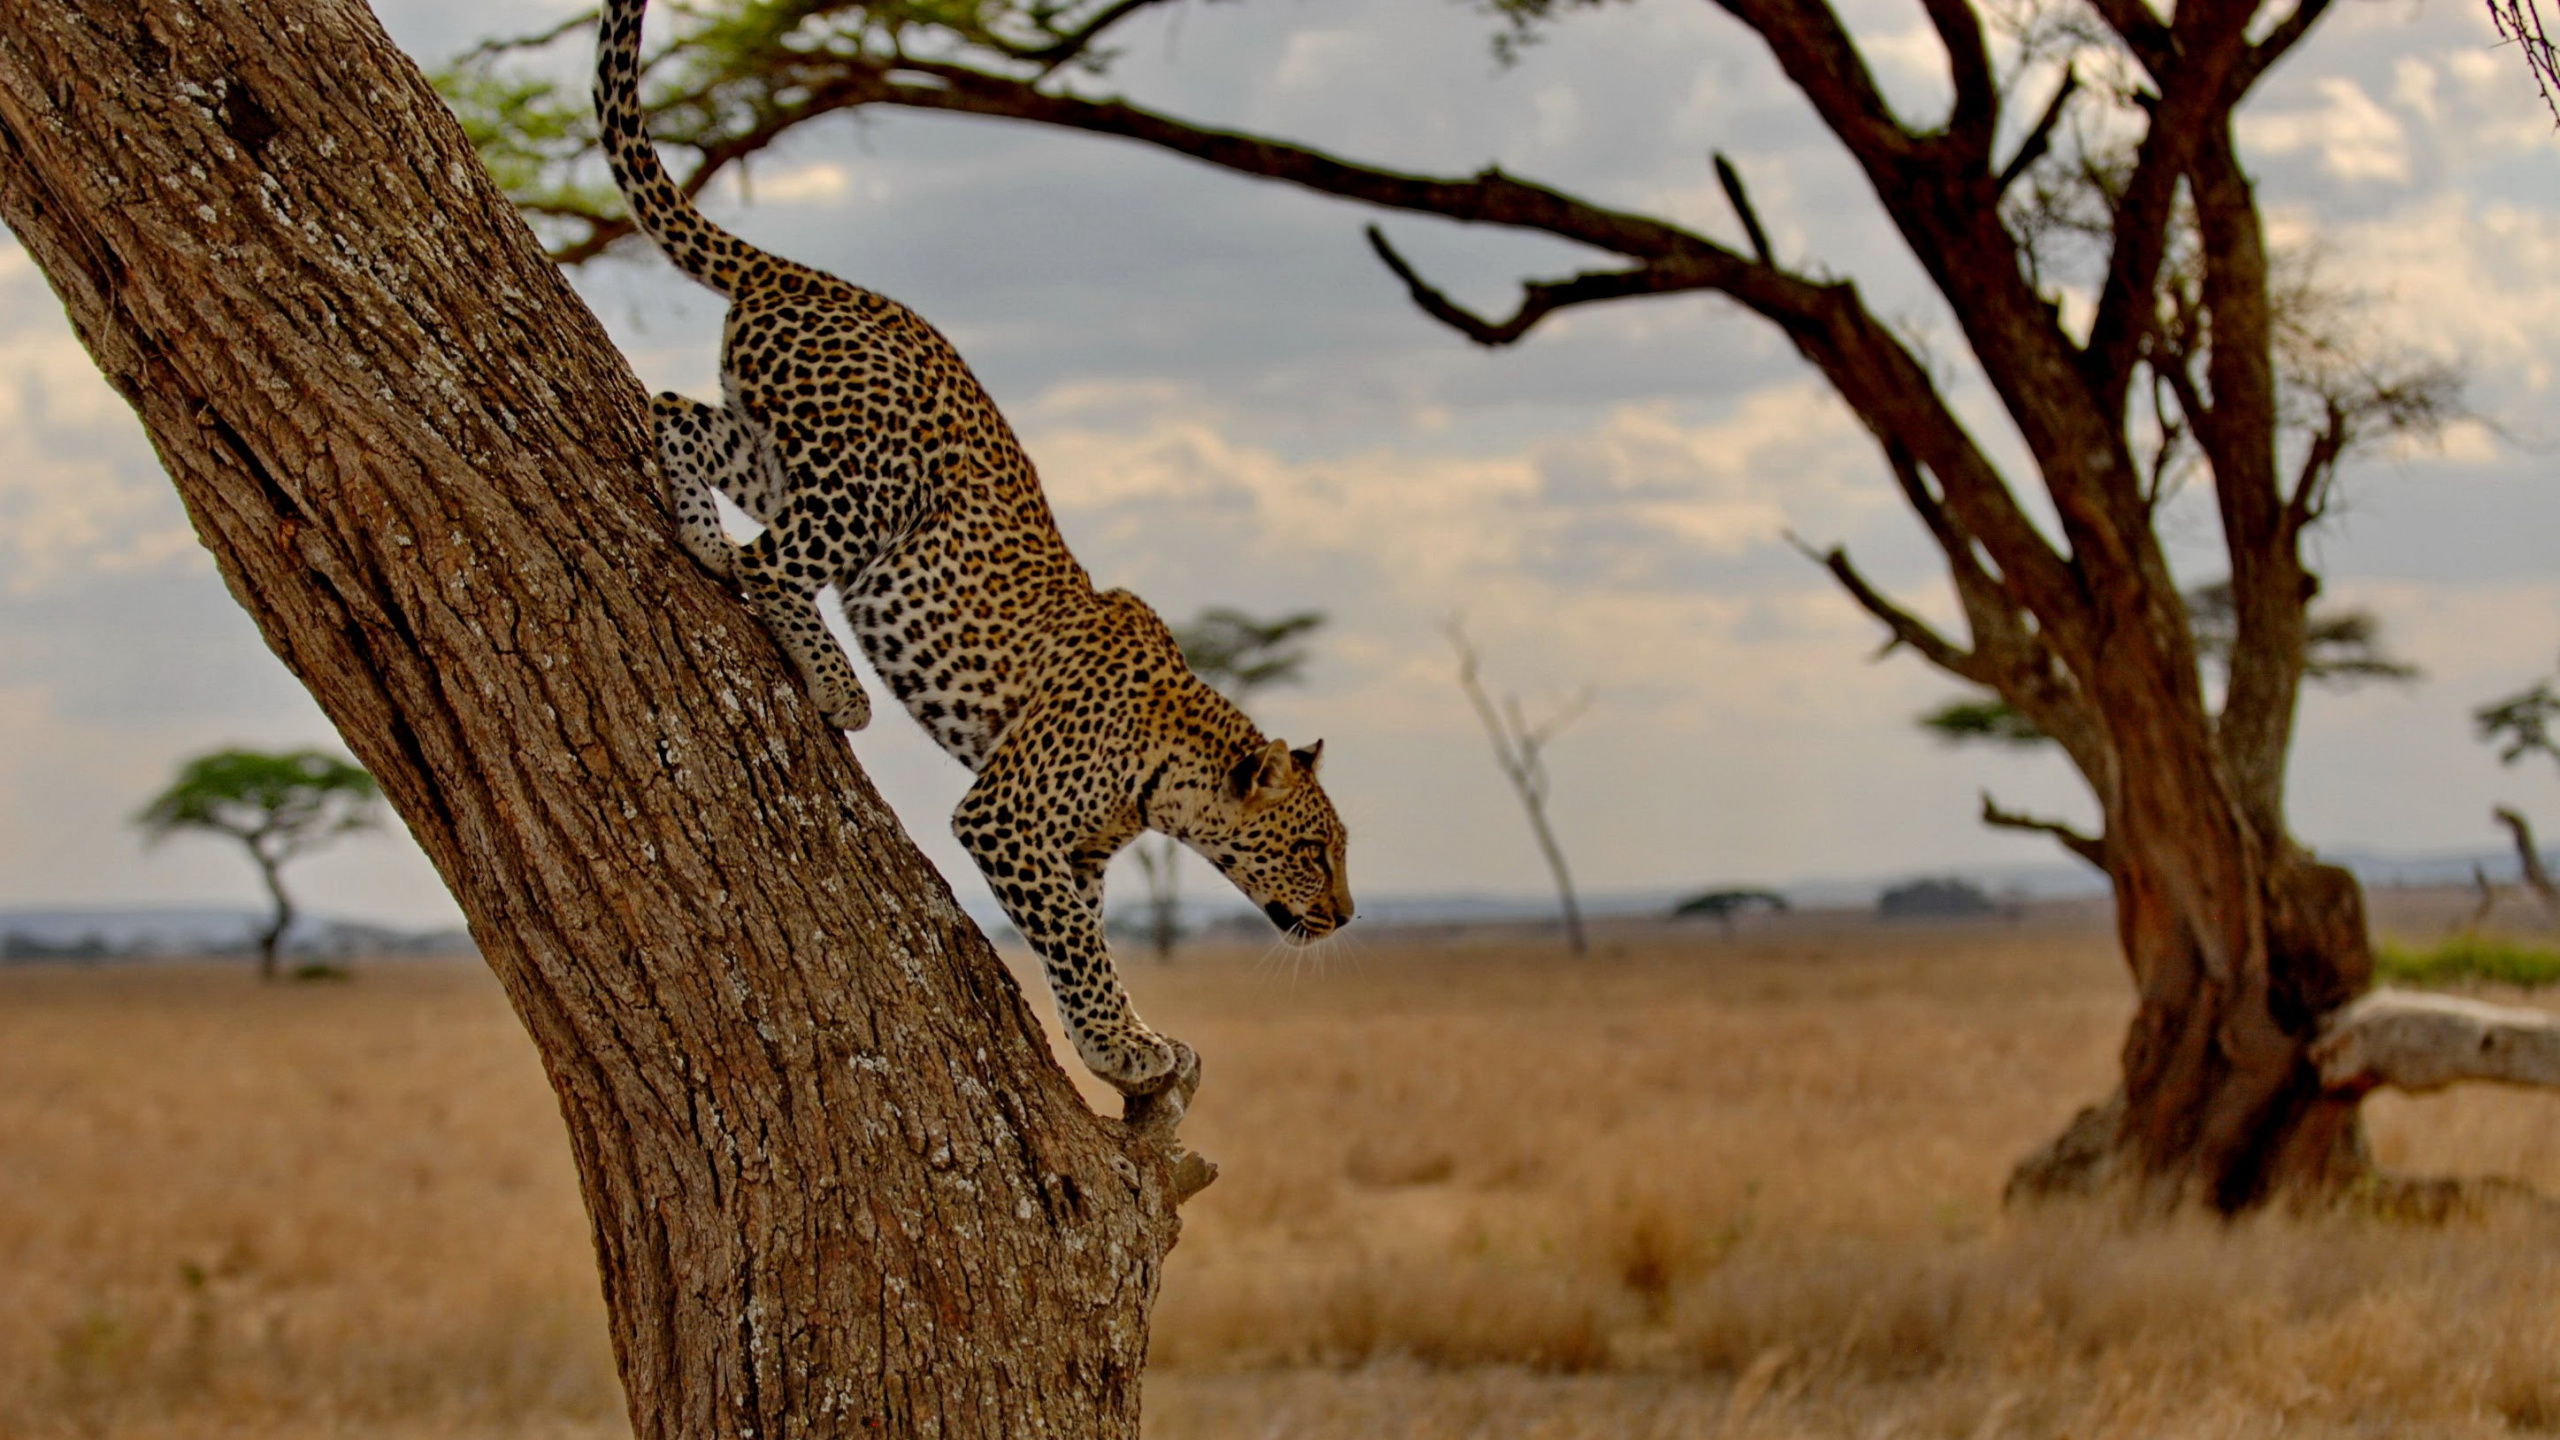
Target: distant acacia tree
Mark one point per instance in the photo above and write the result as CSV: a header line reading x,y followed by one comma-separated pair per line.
x,y
1238,655
1722,905
280,807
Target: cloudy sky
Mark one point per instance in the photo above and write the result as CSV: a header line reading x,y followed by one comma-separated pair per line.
x,y
1232,404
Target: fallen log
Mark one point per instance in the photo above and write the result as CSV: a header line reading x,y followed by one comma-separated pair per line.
x,y
2410,1040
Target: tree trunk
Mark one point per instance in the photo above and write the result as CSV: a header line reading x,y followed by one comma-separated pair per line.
x,y
1572,910
2240,946
837,1183
273,938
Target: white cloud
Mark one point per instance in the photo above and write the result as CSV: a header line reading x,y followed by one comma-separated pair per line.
x,y
2413,86
2464,276
79,489
819,182
2355,138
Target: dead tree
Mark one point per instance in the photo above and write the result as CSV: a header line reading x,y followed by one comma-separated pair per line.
x,y
837,1184
1520,749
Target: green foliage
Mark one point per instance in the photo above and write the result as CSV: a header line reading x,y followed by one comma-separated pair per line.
x,y
2340,647
1724,904
278,804
1521,20
1239,654
1960,722
2468,957
531,131
2520,724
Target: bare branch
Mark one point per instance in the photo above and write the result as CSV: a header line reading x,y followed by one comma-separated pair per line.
x,y
2196,98
507,44
1538,298
2287,34
1818,55
1977,104
2087,847
2142,31
1731,180
1907,628
2040,139
2520,23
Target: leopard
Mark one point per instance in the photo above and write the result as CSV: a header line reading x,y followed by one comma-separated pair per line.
x,y
876,463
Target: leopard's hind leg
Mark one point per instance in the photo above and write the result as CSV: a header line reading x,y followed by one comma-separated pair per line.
x,y
781,573
702,449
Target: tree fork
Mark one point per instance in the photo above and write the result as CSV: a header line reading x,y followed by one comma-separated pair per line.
x,y
837,1183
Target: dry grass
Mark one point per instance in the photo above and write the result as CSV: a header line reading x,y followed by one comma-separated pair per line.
x,y
1693,1188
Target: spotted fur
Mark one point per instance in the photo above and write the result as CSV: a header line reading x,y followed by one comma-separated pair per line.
x,y
852,430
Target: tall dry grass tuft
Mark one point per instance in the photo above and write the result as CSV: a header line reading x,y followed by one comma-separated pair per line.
x,y
235,1207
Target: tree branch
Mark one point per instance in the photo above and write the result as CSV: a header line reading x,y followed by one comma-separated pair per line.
x,y
2196,96
1906,628
1070,44
1815,51
2040,139
1538,297
2280,40
2087,847
1731,180
1976,112
2142,31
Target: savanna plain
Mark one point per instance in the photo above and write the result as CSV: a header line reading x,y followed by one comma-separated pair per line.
x,y
1697,1185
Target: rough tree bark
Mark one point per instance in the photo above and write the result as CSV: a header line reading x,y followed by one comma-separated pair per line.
x,y
837,1183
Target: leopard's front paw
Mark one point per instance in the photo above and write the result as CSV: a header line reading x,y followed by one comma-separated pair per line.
x,y
1141,1062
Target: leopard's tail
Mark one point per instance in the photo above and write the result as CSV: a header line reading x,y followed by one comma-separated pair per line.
x,y
695,245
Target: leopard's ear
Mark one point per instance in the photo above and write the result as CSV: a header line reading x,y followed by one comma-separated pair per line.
x,y
1261,773
1309,758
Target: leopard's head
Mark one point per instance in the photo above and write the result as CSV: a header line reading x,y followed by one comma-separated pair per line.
x,y
1272,831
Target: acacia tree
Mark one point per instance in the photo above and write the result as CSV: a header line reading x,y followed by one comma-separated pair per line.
x,y
836,1181
2085,214
1238,655
278,806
